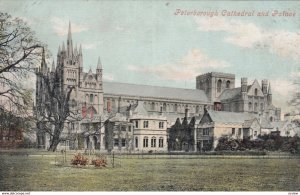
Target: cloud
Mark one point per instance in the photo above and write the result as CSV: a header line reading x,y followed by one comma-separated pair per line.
x,y
248,35
89,46
187,68
61,26
108,77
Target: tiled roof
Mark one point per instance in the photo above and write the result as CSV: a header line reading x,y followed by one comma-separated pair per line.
x,y
230,117
154,91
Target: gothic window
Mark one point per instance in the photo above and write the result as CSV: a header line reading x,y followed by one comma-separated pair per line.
x,y
146,124
161,125
250,106
91,98
164,107
161,142
145,142
205,131
255,92
261,106
255,107
152,106
153,142
228,84
219,84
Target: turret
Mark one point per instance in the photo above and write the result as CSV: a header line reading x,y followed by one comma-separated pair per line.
x,y
53,67
264,86
44,64
99,68
244,84
269,97
80,59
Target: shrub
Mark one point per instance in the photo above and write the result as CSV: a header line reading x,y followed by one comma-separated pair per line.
x,y
79,159
101,161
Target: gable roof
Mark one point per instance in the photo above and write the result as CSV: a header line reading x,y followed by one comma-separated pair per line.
x,y
230,117
230,93
248,123
154,91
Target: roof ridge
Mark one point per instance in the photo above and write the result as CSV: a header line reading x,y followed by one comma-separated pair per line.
x,y
152,85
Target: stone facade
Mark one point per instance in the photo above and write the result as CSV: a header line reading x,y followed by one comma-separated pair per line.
x,y
95,99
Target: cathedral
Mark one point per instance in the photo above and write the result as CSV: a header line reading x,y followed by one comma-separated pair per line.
x,y
96,98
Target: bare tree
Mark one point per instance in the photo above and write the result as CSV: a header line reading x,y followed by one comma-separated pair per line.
x,y
53,106
20,51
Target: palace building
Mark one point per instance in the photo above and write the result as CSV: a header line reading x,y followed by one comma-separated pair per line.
x,y
96,99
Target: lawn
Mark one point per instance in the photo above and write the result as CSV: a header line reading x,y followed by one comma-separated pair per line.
x,y
38,173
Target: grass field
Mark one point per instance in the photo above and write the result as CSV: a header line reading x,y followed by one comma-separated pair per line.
x,y
38,173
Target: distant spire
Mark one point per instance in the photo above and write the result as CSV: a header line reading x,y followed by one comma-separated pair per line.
x,y
69,42
53,68
63,47
269,89
58,53
80,50
43,64
99,65
75,51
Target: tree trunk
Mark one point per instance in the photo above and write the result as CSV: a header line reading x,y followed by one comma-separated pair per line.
x,y
56,137
54,142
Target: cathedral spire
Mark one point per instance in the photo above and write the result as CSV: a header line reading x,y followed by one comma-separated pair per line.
x,y
99,65
58,53
269,89
69,42
80,57
43,64
53,68
63,47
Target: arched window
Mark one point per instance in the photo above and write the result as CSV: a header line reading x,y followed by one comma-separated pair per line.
x,y
91,98
255,107
255,92
197,109
250,106
164,107
145,142
136,142
271,119
261,106
228,84
161,142
219,84
152,106
153,142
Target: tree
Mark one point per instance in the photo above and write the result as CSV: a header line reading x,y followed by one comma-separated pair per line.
x,y
20,51
53,105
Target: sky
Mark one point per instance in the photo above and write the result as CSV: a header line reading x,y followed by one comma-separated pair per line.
x,y
169,43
